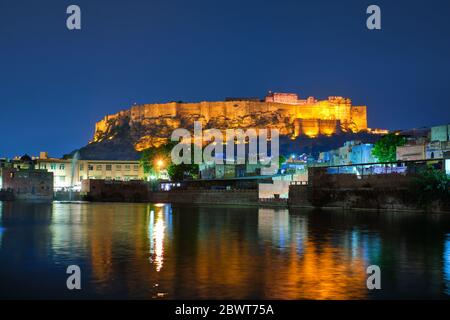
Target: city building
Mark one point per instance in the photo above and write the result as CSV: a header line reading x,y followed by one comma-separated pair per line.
x,y
4,163
439,146
440,133
27,184
352,152
23,162
61,169
68,173
437,149
121,170
278,187
295,164
423,144
362,153
410,152
413,149
229,171
224,170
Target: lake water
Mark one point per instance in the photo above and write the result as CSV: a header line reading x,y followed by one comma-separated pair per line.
x,y
145,251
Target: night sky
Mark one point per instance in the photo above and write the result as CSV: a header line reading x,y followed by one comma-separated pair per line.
x,y
55,83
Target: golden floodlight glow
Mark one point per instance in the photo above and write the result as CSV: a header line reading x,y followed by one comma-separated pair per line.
x,y
159,163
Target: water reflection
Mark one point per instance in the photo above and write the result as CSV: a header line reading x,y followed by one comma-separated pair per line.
x,y
68,233
310,268
446,267
150,251
156,229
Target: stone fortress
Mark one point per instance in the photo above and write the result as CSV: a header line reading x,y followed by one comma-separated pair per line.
x,y
150,125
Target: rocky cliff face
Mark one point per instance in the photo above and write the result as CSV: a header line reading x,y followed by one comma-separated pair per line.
x,y
123,135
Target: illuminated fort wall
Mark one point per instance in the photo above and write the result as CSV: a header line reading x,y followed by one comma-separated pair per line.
x,y
293,117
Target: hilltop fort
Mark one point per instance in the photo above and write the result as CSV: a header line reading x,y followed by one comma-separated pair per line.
x,y
150,125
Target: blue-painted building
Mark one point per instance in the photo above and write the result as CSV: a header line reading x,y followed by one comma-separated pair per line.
x,y
352,152
362,153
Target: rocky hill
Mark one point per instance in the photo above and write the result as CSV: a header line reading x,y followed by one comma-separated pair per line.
x,y
124,134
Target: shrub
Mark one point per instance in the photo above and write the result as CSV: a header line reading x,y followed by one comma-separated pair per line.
x,y
431,185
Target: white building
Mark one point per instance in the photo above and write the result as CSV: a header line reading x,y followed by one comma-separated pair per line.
x,y
279,188
68,173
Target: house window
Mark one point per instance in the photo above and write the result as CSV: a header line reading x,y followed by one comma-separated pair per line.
x,y
108,167
53,166
81,167
99,167
127,167
119,167
62,167
90,167
135,167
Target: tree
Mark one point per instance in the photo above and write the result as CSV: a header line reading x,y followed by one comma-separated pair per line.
x,y
385,148
179,172
281,160
154,160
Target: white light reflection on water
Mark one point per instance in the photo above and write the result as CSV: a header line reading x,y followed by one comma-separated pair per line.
x,y
156,229
67,240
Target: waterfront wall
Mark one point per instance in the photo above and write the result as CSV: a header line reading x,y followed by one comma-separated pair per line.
x,y
320,179
67,196
347,191
299,196
234,197
115,191
140,191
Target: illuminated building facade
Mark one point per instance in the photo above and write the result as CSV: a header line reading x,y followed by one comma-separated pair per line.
x,y
352,152
68,173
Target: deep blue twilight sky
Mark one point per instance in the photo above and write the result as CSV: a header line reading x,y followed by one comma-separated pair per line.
x,y
55,83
